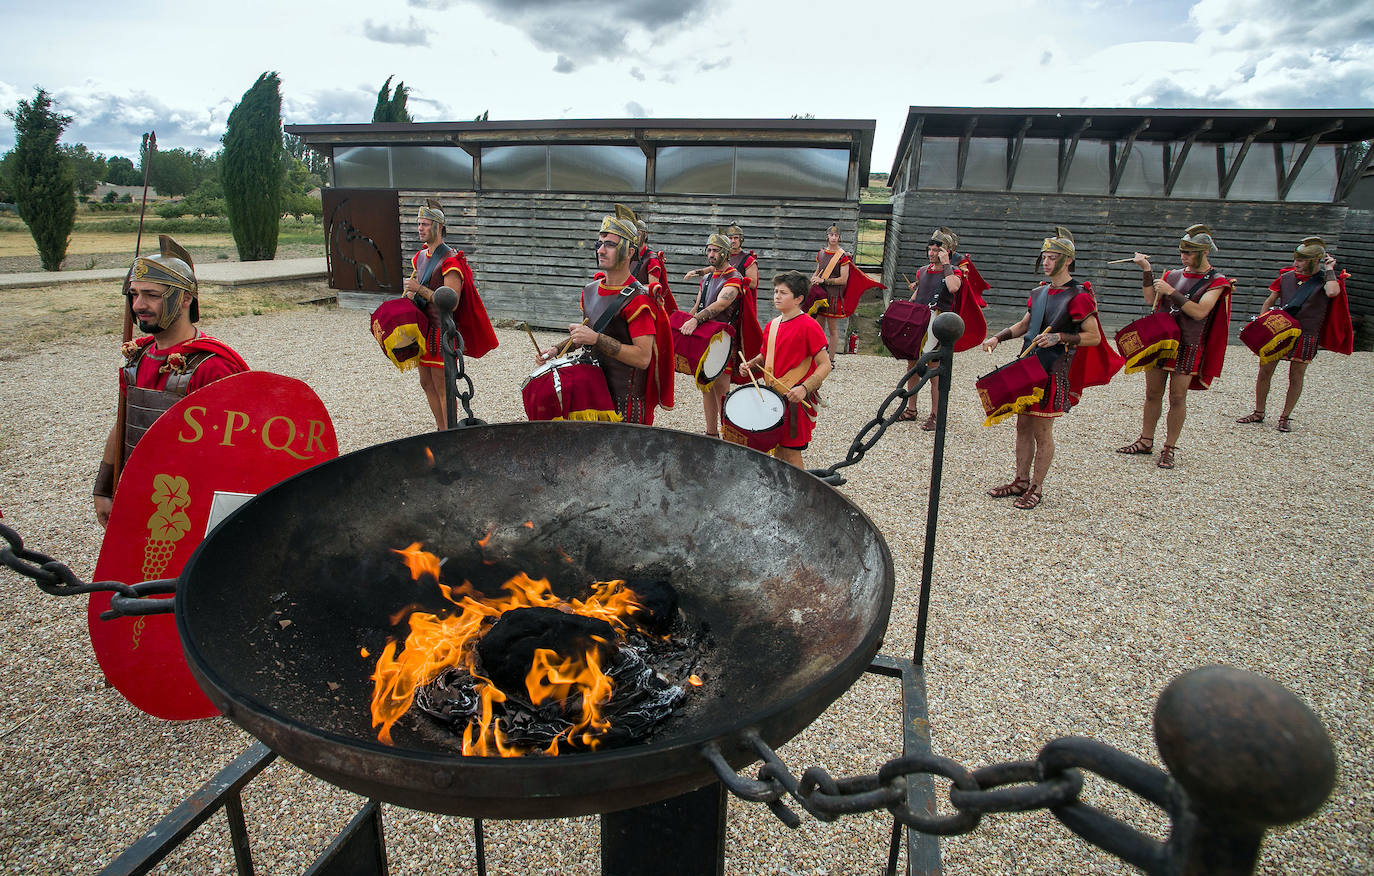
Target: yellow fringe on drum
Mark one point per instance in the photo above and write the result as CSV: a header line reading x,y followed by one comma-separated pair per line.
x,y
401,338
1015,407
1143,359
705,385
593,417
1281,345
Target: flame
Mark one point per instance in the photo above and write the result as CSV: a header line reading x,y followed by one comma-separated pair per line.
x,y
694,680
429,457
435,643
364,652
529,524
486,540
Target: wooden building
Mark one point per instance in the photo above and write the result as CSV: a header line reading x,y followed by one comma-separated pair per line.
x,y
525,198
1130,179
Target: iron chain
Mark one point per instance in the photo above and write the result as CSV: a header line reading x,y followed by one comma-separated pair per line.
x,y
874,428
453,339
1053,781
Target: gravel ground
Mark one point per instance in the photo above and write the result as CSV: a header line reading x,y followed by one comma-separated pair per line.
x,y
1142,574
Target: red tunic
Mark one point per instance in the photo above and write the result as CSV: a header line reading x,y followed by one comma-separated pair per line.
x,y
642,317
789,345
154,371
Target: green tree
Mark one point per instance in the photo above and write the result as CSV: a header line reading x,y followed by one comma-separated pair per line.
x,y
7,178
391,105
174,172
120,171
251,169
313,161
44,181
89,167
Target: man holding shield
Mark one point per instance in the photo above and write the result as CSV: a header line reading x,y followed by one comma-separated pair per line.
x,y
172,359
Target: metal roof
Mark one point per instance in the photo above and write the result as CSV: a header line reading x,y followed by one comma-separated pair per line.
x,y
855,134
1164,125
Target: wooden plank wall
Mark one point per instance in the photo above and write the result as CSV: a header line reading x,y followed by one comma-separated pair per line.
x,y
1003,233
531,252
1356,255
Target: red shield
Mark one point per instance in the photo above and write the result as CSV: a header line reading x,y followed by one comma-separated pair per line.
x,y
211,452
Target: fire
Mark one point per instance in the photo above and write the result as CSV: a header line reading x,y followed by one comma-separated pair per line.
x,y
436,643
694,680
429,457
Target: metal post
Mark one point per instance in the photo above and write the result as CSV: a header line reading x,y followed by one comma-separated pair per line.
x,y
445,299
948,327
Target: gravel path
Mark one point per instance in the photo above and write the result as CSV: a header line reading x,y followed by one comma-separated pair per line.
x,y
1142,574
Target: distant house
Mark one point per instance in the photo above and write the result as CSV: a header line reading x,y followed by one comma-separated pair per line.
x,y
1132,179
134,192
525,198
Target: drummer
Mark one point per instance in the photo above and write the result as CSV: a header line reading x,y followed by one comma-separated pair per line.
x,y
435,265
1066,336
635,348
650,269
795,361
723,296
944,284
1324,317
829,280
1199,298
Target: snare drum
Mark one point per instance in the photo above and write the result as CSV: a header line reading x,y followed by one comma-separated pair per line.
x,y
1012,389
571,387
1271,335
1148,340
755,416
705,353
400,328
903,328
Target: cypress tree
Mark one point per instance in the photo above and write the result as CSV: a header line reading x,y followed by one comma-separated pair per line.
x,y
43,178
391,106
251,170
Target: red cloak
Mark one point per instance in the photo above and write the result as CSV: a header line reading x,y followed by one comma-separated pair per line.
x,y
969,304
479,338
1214,342
1093,366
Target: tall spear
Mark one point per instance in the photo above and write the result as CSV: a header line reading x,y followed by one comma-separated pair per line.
x,y
121,416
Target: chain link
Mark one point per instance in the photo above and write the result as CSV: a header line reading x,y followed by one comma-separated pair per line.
x,y
452,340
873,430
51,576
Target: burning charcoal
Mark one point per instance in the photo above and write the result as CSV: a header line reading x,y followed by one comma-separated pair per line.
x,y
660,604
507,650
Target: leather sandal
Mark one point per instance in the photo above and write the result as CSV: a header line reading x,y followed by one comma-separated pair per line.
x,y
929,424
1140,445
1254,417
1285,424
1029,499
908,416
1017,487
1166,457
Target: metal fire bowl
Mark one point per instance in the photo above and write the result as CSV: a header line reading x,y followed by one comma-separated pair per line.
x,y
279,603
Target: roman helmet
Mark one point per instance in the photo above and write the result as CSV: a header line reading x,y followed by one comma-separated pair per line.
x,y
721,239
432,210
622,223
1062,243
1198,238
946,238
174,268
1313,248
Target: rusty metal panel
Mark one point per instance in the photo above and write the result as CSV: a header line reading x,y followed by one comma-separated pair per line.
x,y
363,240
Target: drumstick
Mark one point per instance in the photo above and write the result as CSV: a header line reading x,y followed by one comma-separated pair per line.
x,y
537,351
768,375
750,372
905,280
564,347
1121,261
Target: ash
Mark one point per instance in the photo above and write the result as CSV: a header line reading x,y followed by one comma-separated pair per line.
x,y
649,671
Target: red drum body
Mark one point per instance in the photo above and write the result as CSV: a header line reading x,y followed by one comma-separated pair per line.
x,y
1011,389
705,353
903,328
817,302
570,387
1145,341
1271,335
755,417
400,328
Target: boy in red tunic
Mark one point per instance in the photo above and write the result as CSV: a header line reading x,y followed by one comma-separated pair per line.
x,y
173,359
1324,317
795,361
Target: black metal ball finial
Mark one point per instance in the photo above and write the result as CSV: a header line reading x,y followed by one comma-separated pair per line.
x,y
948,328
445,299
1244,746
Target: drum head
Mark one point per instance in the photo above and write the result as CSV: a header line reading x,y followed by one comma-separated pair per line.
x,y
755,409
717,356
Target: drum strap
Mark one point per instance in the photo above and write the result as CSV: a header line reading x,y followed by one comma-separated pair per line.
x,y
1037,315
1205,281
1305,291
825,275
631,288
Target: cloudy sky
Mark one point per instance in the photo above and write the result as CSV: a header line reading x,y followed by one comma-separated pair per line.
x,y
121,68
